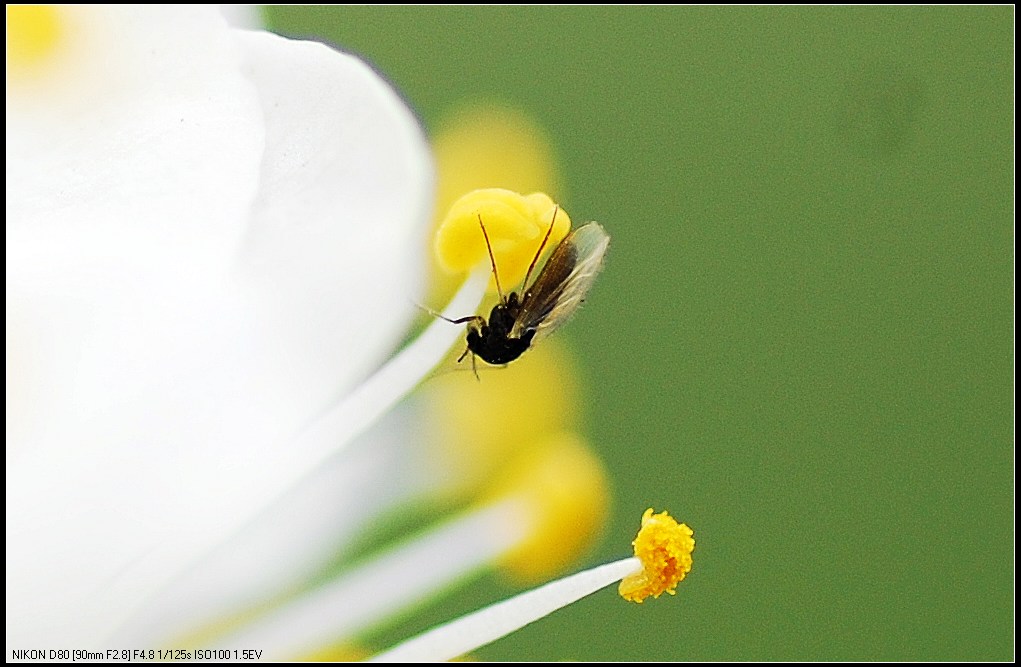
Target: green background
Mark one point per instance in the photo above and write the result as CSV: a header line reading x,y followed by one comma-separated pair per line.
x,y
803,338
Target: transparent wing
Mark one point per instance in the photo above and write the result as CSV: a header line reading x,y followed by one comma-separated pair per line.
x,y
563,282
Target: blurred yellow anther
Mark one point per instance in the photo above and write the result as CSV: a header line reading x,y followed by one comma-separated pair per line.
x,y
664,547
489,145
562,487
516,225
34,34
481,425
342,652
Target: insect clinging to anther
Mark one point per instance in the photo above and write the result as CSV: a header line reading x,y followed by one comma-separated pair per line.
x,y
516,323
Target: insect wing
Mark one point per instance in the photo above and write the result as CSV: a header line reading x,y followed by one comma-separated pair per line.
x,y
563,282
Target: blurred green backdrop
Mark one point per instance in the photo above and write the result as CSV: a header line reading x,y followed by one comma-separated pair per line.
x,y
803,339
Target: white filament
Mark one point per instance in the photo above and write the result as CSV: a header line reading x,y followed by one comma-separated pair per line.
x,y
467,633
384,586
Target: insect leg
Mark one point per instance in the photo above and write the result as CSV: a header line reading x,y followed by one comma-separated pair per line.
x,y
474,369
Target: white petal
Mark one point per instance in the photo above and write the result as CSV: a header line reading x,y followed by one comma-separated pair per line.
x,y
155,379
272,555
337,237
124,206
142,142
243,16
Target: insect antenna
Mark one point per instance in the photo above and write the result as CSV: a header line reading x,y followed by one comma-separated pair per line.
x,y
524,285
492,260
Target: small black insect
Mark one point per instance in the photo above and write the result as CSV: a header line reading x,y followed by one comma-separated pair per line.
x,y
559,289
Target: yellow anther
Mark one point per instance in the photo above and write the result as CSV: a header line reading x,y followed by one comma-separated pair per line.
x,y
664,547
34,34
563,488
486,145
516,225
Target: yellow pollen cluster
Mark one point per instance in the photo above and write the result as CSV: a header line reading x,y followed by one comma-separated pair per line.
x,y
664,547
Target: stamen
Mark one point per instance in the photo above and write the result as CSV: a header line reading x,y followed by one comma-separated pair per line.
x,y
538,518
485,145
384,586
663,554
469,632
